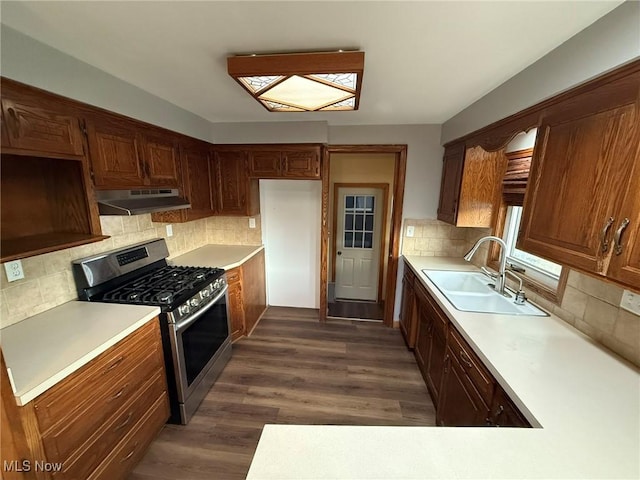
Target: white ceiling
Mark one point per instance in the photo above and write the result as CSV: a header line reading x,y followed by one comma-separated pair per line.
x,y
425,61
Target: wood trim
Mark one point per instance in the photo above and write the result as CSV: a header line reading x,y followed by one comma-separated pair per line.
x,y
324,234
383,232
400,152
498,134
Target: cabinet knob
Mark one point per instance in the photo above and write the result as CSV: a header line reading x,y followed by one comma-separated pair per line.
x,y
617,249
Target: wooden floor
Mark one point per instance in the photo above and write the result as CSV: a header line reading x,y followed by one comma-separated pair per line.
x,y
364,310
292,370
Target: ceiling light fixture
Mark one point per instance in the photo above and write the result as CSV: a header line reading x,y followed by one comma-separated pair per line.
x,y
301,82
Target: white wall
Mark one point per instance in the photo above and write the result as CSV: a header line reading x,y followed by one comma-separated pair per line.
x,y
273,132
611,41
291,214
29,61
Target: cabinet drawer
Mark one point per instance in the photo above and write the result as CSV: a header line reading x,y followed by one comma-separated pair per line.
x,y
234,276
115,429
68,436
133,447
472,366
95,379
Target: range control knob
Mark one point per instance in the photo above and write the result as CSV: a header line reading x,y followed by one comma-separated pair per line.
x,y
183,309
194,302
205,293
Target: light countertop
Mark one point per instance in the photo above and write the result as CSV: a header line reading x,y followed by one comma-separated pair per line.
x,y
218,256
42,350
584,400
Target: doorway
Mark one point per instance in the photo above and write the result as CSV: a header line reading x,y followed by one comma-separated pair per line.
x,y
360,231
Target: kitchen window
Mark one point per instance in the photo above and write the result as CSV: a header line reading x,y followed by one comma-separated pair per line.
x,y
523,263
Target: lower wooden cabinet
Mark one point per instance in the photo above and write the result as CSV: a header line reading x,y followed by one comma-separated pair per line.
x,y
99,421
460,404
408,311
462,389
247,295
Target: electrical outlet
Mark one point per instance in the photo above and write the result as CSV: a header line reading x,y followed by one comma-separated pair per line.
x,y
14,270
631,302
169,230
410,230
252,222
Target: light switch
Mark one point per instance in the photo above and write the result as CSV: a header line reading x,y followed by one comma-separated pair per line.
x,y
169,230
410,230
252,222
14,270
631,302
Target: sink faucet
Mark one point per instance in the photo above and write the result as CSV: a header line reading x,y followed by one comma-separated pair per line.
x,y
500,277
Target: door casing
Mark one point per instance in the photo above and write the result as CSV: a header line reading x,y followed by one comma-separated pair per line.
x,y
400,152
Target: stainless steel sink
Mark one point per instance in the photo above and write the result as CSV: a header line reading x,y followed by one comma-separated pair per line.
x,y
472,292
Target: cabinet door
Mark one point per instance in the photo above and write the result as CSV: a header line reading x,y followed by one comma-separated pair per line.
x,y
504,413
115,154
408,321
582,162
161,162
459,404
236,304
423,337
452,166
32,128
301,164
435,369
265,164
197,183
231,182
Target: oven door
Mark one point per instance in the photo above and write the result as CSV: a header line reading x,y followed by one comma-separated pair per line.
x,y
196,340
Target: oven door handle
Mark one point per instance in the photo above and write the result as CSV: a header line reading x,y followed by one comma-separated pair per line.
x,y
189,320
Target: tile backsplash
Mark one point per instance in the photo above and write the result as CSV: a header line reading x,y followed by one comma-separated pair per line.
x,y
48,279
433,238
589,304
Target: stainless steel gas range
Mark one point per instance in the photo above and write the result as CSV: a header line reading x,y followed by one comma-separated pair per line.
x,y
194,320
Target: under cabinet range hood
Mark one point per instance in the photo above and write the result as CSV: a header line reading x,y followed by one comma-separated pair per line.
x,y
137,202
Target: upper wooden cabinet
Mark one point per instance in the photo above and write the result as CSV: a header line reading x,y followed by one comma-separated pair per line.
x,y
161,161
197,183
123,157
42,131
582,207
288,161
471,182
235,193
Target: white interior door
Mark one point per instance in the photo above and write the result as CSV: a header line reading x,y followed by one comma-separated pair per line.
x,y
358,243
291,213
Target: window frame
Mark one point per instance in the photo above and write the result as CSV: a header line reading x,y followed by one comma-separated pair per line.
x,y
531,284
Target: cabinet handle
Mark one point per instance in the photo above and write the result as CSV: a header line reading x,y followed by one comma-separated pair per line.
x,y
125,423
119,394
114,364
447,362
604,242
617,249
130,454
465,359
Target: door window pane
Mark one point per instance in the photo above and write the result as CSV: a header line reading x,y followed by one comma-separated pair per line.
x,y
348,239
369,203
349,201
368,223
359,222
358,240
368,240
348,221
359,201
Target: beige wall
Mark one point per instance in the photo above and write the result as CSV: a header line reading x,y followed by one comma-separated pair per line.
x,y
363,168
48,279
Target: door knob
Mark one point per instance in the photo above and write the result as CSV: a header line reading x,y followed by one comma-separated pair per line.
x,y
339,253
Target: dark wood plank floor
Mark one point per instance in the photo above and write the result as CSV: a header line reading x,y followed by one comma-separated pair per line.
x,y
363,310
292,370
